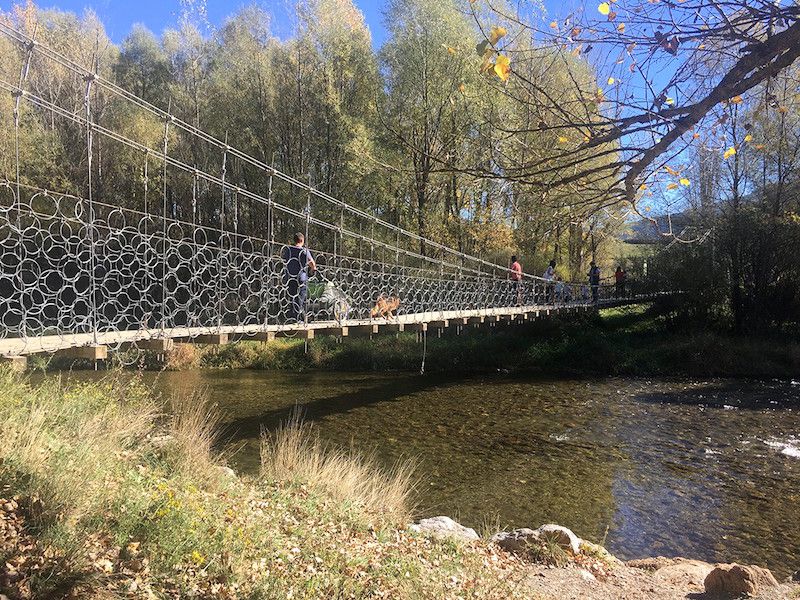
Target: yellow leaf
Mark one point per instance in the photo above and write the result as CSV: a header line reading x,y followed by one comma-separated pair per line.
x,y
782,109
672,186
759,146
604,8
729,152
647,209
562,139
748,138
451,50
695,136
642,187
671,171
670,101
610,81
462,88
502,67
684,182
497,33
553,25
621,27
736,100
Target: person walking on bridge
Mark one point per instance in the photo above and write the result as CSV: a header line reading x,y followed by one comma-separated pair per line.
x,y
594,281
619,279
515,275
297,264
549,278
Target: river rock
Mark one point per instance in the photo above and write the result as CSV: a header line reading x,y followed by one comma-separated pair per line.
x,y
731,581
516,541
586,576
562,536
597,551
684,572
444,527
227,471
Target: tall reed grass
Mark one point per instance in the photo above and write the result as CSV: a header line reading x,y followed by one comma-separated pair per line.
x,y
295,453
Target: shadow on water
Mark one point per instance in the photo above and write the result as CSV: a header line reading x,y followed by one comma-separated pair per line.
x,y
320,407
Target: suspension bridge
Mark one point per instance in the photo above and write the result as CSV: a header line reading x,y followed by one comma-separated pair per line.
x,y
204,252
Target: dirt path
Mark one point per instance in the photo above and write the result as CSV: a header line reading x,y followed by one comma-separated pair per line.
x,y
675,580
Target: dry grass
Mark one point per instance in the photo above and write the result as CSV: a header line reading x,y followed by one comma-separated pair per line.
x,y
63,441
192,432
182,356
295,453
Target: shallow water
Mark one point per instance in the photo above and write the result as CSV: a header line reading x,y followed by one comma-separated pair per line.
x,y
704,469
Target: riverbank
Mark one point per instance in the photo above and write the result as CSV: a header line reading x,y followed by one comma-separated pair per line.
x,y
630,341
105,495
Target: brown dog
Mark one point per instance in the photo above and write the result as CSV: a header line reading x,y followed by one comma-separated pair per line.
x,y
385,307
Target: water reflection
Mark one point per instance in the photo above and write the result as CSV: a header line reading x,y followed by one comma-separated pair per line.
x,y
701,469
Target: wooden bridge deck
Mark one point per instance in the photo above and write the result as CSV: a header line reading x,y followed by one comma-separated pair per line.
x,y
91,345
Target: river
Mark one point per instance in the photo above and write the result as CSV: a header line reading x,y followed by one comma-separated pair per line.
x,y
702,469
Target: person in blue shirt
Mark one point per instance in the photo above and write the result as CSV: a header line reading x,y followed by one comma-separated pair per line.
x,y
298,265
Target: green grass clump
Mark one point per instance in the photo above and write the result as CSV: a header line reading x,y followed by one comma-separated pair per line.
x,y
109,495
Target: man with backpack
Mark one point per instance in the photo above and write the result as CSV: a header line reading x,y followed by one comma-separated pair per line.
x,y
594,281
297,265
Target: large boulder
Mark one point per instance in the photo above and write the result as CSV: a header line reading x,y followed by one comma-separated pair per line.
x,y
444,527
732,581
517,541
562,536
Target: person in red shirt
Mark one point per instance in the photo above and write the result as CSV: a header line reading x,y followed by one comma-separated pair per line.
x,y
516,277
619,278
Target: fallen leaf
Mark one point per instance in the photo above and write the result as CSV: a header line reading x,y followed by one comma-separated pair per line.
x,y
497,33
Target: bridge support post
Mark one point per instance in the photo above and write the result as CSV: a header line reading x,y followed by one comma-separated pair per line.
x,y
214,339
265,336
86,352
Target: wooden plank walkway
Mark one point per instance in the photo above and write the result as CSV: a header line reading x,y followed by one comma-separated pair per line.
x,y
91,345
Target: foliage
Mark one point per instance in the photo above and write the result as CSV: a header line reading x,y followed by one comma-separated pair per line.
x,y
404,133
106,498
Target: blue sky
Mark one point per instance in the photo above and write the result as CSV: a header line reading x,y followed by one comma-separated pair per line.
x,y
119,15
157,15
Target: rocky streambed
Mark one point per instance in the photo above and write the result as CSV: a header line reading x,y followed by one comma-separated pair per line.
x,y
564,566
